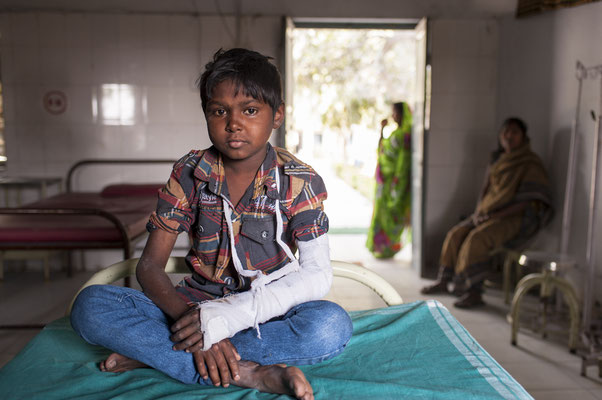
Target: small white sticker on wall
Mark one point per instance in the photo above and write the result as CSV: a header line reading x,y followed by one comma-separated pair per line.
x,y
55,102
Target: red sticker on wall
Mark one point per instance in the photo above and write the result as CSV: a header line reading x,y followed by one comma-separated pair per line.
x,y
55,102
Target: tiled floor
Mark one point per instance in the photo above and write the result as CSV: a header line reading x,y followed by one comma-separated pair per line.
x,y
545,368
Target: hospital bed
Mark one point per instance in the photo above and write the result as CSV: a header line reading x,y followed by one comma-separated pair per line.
x,y
403,351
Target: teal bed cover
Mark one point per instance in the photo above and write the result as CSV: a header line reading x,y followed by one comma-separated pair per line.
x,y
410,351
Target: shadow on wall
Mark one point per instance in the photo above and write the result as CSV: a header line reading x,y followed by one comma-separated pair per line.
x,y
525,64
526,82
549,238
459,205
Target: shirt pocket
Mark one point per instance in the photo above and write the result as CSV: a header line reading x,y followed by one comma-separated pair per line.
x,y
261,230
206,236
259,241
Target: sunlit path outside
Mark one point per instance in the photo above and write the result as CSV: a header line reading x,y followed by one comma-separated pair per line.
x,y
345,81
347,209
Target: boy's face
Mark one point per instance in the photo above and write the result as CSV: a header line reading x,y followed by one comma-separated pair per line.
x,y
240,126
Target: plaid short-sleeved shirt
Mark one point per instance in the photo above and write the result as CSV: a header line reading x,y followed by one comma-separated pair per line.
x,y
191,201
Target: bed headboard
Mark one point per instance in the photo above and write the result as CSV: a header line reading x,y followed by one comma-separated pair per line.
x,y
108,161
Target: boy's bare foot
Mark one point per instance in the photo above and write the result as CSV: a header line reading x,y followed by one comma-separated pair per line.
x,y
276,378
119,363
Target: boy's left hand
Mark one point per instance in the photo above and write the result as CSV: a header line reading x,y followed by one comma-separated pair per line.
x,y
220,363
187,334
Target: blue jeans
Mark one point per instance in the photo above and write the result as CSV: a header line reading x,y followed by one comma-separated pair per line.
x,y
127,322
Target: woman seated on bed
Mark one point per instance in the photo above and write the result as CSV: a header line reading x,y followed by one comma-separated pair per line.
x,y
513,205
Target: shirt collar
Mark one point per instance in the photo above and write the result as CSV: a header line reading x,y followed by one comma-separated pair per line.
x,y
210,169
265,180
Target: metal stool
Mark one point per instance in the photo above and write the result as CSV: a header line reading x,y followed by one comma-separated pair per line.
x,y
511,267
548,278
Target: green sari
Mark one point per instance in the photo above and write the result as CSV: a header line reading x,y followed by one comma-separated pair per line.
x,y
393,196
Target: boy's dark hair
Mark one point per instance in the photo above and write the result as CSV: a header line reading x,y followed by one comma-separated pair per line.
x,y
520,124
248,69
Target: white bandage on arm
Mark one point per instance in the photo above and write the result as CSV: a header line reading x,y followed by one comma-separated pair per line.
x,y
309,280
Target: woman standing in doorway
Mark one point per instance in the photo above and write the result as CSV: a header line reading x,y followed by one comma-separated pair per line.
x,y
393,181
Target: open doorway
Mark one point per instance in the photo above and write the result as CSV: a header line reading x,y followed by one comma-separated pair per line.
x,y
341,81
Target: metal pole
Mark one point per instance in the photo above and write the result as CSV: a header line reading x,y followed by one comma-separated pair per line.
x,y
570,174
590,254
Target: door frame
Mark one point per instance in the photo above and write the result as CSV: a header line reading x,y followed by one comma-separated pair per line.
x,y
422,114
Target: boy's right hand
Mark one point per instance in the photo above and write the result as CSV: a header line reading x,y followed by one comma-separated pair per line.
x,y
187,334
220,363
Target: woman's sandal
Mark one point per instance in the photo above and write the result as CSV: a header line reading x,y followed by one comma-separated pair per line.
x,y
437,288
458,290
470,299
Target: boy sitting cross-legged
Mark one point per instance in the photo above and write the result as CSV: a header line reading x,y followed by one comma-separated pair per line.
x,y
249,306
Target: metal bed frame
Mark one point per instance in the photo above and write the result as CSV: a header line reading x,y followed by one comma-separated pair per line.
x,y
127,241
176,265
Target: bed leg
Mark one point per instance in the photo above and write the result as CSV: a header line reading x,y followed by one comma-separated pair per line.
x,y
127,254
1,266
46,265
68,256
82,264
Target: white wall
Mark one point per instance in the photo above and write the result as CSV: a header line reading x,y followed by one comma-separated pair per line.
x,y
159,57
292,8
462,134
537,81
484,70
